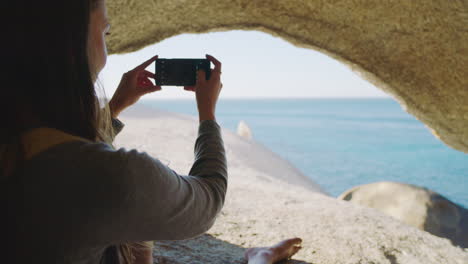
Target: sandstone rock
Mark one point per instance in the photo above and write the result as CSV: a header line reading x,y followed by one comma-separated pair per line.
x,y
262,209
243,130
414,50
415,206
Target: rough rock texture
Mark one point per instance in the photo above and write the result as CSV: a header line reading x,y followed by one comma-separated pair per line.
x,y
415,206
416,51
261,209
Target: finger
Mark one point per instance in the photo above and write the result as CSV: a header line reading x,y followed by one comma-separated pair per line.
x,y
148,83
215,62
146,63
143,77
148,74
144,80
189,88
154,88
147,88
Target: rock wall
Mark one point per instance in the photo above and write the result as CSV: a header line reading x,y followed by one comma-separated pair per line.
x,y
414,50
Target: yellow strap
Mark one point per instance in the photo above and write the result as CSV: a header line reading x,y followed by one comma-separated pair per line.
x,y
40,139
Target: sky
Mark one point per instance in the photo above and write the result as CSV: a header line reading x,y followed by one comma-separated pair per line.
x,y
254,65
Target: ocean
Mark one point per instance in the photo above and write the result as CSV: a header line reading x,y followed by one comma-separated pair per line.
x,y
341,143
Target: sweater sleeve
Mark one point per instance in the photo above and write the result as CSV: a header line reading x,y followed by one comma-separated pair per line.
x,y
159,204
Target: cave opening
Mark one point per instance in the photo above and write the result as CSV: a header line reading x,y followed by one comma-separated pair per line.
x,y
312,110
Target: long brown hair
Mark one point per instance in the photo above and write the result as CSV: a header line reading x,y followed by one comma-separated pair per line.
x,y
46,75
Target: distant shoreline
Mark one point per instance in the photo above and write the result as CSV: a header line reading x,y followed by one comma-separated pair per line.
x,y
340,143
289,172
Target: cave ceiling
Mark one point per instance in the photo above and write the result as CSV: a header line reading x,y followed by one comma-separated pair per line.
x,y
416,51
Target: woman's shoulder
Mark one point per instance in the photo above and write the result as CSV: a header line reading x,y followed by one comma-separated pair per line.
x,y
76,156
75,162
45,141
78,167
52,150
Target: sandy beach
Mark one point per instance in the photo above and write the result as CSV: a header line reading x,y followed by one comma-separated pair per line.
x,y
269,200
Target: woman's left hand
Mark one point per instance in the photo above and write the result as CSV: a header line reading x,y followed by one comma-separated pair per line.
x,y
133,85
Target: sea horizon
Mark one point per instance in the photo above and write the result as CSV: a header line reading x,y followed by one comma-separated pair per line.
x,y
267,98
342,142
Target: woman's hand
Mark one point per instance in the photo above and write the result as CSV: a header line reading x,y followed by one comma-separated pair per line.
x,y
207,91
133,85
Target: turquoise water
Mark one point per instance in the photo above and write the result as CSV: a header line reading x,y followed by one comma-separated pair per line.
x,y
341,143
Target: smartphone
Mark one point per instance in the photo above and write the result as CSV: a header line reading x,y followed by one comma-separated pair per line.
x,y
180,72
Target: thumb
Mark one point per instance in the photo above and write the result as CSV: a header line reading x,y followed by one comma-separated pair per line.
x,y
201,76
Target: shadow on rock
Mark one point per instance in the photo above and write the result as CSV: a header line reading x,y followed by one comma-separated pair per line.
x,y
204,249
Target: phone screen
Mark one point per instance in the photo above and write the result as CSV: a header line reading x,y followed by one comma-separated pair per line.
x,y
180,72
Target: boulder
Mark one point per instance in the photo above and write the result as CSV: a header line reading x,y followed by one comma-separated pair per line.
x,y
243,130
416,206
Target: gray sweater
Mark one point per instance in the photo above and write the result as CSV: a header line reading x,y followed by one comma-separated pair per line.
x,y
74,199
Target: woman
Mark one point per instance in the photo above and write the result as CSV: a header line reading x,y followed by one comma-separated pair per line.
x,y
69,196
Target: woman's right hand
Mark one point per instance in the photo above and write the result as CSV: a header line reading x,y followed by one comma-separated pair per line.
x,y
207,91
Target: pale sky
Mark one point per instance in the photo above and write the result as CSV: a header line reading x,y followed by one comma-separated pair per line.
x,y
254,65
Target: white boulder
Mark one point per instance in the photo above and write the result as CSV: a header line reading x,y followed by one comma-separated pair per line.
x,y
243,130
416,206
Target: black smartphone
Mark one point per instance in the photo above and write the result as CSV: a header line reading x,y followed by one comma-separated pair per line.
x,y
180,72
